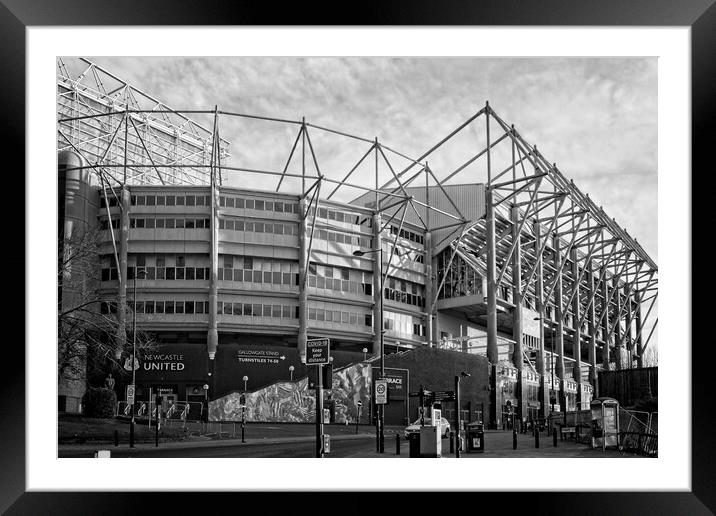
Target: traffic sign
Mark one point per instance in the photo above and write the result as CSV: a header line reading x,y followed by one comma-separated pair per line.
x,y
318,351
381,392
444,395
130,393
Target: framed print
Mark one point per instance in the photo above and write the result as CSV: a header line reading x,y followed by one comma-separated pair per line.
x,y
438,229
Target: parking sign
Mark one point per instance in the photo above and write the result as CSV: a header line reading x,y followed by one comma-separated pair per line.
x,y
381,392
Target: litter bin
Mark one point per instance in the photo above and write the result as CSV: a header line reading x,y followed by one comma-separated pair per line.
x,y
414,444
475,437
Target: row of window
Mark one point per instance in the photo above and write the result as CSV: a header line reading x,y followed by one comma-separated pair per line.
x,y
403,291
403,323
159,307
342,238
159,273
408,235
338,316
170,200
277,228
169,223
341,216
249,276
256,310
258,204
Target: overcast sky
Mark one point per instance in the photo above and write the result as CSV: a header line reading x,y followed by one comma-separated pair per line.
x,y
596,118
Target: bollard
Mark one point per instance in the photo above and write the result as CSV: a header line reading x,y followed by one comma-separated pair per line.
x,y
116,438
397,444
536,436
554,437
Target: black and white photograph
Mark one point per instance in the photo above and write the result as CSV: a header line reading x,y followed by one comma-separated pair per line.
x,y
357,257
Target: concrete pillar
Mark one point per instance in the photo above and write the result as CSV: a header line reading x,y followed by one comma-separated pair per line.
x,y
558,344
212,337
517,315
492,354
629,343
577,340
592,333
517,355
378,324
559,316
121,339
430,286
618,326
605,324
303,237
541,369
639,339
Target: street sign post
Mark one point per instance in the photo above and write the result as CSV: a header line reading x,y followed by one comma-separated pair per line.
x,y
318,351
130,393
381,392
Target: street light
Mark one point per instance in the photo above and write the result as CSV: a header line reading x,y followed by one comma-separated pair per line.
x,y
463,374
246,379
290,370
206,400
380,435
143,272
365,353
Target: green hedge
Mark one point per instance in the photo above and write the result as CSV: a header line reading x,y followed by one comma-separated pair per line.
x,y
100,402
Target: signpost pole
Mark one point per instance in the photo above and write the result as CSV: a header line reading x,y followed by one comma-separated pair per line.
x,y
457,416
319,412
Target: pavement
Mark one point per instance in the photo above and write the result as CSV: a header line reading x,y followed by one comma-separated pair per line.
x,y
261,437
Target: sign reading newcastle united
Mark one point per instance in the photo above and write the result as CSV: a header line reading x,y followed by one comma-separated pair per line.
x,y
259,356
163,362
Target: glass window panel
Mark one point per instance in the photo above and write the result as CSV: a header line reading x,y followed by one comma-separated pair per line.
x,y
257,310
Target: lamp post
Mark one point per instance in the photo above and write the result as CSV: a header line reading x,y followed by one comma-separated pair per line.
x,y
290,370
463,374
380,433
143,272
206,400
246,379
365,354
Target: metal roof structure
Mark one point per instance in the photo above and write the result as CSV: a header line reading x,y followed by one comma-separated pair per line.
x,y
538,234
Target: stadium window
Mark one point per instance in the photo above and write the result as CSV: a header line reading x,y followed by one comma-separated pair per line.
x,y
249,204
345,318
354,319
257,310
229,224
229,202
189,307
190,273
199,200
276,278
149,307
248,226
336,316
199,273
238,225
168,307
278,229
286,312
267,277
257,276
259,227
171,200
321,282
278,207
227,308
170,273
259,205
239,203
199,307
312,314
179,307
161,200
286,278
238,274
368,320
236,307
180,200
151,200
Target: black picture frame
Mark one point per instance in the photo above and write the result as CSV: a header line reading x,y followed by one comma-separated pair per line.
x,y
700,15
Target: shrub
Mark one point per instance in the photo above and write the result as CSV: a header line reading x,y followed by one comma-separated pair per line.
x,y
100,402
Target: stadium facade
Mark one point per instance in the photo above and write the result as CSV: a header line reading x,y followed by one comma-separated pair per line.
x,y
515,266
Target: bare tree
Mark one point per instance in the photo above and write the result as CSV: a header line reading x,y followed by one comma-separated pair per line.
x,y
87,331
